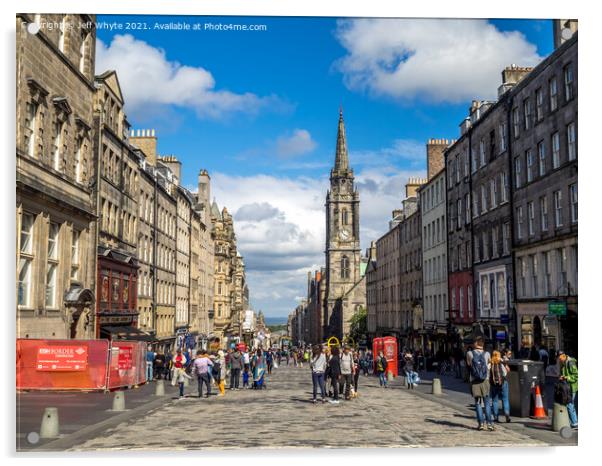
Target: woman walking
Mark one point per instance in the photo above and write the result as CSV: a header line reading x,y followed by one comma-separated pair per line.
x,y
408,369
498,377
334,370
356,370
259,368
381,369
318,368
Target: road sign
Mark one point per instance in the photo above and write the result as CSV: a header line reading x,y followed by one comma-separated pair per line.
x,y
557,308
504,318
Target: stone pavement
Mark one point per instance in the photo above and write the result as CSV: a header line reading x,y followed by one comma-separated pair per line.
x,y
284,417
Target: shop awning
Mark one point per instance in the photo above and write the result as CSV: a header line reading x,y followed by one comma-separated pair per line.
x,y
127,333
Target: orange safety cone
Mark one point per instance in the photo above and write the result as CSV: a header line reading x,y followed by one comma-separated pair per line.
x,y
540,412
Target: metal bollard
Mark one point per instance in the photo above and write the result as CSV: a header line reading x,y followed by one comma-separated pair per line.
x,y
560,417
50,423
119,401
160,388
436,387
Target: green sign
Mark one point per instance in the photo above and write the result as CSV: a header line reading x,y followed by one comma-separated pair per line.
x,y
557,308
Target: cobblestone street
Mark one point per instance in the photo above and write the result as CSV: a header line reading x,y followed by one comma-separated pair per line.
x,y
284,417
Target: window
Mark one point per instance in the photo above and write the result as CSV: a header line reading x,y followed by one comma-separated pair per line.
x,y
522,273
461,306
467,205
79,171
555,150
547,282
558,208
56,148
541,151
520,221
553,86
477,255
457,169
517,172
571,137
459,212
504,187
543,209
501,290
506,239
531,218
485,292
26,246
345,217
453,299
62,35
573,198
533,266
482,153
475,205
483,198
516,122
82,53
32,116
493,194
344,267
465,157
52,265
568,82
527,113
25,260
561,262
53,235
539,104
503,141
494,242
469,293
75,235
530,165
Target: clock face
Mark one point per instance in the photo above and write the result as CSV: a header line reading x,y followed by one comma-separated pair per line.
x,y
344,235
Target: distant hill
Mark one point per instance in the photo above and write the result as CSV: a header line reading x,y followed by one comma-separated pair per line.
x,y
269,321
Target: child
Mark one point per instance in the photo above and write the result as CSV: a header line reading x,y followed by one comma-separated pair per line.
x,y
181,375
245,377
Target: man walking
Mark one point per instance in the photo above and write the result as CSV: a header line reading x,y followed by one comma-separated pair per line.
x,y
346,372
570,374
150,360
200,368
236,362
478,361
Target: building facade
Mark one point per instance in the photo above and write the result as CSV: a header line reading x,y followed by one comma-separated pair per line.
x,y
55,176
544,174
434,244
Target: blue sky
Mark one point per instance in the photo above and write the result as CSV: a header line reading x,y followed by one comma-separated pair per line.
x,y
259,110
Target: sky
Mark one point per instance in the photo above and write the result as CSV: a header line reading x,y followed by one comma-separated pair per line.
x,y
259,110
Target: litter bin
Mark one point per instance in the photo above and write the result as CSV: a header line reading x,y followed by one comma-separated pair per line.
x,y
524,375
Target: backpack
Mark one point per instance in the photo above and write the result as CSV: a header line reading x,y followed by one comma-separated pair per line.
x,y
562,392
478,368
215,371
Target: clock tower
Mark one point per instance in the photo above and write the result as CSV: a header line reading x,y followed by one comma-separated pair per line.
x,y
343,255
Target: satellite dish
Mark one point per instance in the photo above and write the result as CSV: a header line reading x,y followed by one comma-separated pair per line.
x,y
566,33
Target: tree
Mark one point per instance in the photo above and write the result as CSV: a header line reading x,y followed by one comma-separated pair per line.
x,y
359,324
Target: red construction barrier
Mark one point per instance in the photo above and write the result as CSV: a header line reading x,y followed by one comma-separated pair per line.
x,y
127,364
61,364
377,347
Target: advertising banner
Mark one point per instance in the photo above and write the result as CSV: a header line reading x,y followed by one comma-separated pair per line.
x,y
62,358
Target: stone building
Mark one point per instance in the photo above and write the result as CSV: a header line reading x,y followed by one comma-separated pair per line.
x,y
117,209
543,147
164,230
55,205
433,208
459,235
345,284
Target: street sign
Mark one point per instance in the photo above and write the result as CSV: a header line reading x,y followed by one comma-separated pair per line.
x,y
62,358
500,335
557,308
504,318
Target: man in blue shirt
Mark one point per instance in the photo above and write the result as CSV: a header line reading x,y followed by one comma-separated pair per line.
x,y
150,359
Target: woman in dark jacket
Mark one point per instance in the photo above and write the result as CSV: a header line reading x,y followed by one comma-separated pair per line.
x,y
381,369
334,371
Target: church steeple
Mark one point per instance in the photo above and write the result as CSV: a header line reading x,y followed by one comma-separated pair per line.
x,y
341,162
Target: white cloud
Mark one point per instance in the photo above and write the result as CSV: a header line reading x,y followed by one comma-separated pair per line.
x,y
441,60
298,143
280,226
150,80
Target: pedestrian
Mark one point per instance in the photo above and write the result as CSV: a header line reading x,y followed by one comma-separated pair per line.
x,y
179,374
150,359
346,379
334,371
159,365
408,369
357,367
544,357
318,368
168,365
478,361
236,364
569,373
259,368
219,372
381,369
269,360
245,378
498,378
201,367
